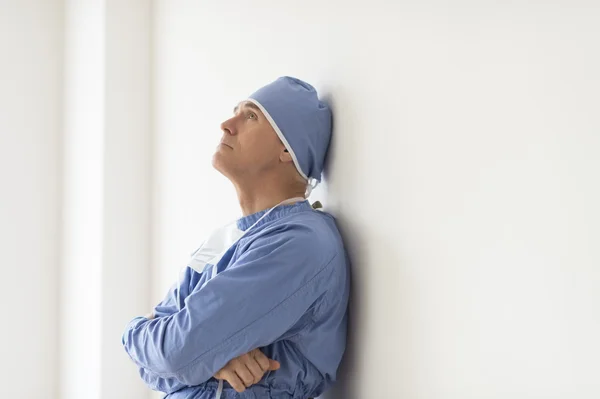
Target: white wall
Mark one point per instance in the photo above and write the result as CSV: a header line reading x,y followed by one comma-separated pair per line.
x,y
30,129
83,143
75,139
105,273
127,188
464,175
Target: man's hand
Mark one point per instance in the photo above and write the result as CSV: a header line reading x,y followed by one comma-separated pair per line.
x,y
246,370
150,316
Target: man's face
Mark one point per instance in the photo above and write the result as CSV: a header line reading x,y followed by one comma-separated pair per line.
x,y
249,146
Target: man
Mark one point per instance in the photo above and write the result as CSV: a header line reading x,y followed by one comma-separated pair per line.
x,y
263,303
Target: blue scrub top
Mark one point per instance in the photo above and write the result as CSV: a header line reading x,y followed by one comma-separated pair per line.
x,y
283,288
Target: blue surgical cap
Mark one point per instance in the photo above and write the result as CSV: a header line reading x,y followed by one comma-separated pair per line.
x,y
300,119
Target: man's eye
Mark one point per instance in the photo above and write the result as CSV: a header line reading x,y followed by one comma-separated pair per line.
x,y
251,115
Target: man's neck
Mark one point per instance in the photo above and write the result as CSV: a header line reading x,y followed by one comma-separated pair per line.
x,y
259,198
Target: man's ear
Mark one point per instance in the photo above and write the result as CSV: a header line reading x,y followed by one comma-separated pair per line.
x,y
285,156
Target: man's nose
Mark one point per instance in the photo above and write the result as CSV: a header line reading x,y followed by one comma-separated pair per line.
x,y
229,127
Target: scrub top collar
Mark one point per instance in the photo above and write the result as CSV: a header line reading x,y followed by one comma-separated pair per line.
x,y
246,222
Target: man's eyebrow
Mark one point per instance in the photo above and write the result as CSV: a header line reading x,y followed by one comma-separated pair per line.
x,y
247,104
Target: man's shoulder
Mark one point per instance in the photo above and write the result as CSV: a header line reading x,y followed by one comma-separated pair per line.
x,y
315,229
308,239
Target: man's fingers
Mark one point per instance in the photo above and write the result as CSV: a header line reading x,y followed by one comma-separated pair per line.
x,y
233,380
239,365
247,370
274,365
265,363
255,369
261,359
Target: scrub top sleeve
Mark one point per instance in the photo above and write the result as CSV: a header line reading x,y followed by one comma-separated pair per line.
x,y
166,307
250,304
165,385
169,304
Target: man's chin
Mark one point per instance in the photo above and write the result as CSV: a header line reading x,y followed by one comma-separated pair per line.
x,y
216,162
219,165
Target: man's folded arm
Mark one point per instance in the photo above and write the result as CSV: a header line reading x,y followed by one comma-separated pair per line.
x,y
249,305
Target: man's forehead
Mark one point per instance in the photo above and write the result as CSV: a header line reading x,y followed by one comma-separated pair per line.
x,y
245,104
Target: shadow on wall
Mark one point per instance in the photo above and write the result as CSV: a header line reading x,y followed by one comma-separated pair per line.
x,y
375,266
346,380
340,168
